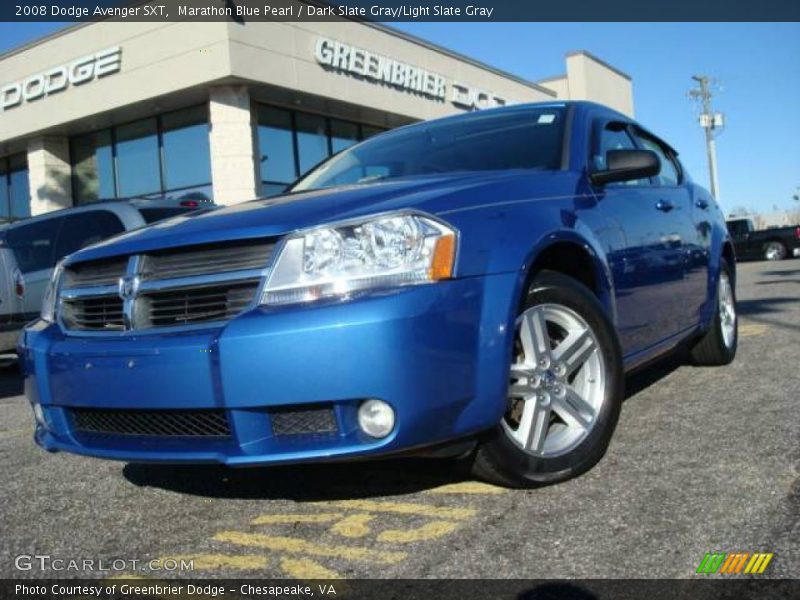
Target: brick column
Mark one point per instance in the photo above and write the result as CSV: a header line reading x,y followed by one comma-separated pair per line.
x,y
233,165
49,174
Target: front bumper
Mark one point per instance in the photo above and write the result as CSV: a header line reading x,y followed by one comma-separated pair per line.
x,y
438,354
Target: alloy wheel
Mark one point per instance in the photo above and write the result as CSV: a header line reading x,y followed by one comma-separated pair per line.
x,y
557,381
727,310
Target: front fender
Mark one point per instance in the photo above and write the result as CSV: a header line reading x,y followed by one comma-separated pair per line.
x,y
509,237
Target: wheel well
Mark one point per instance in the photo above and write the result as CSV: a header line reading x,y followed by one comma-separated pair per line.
x,y
568,259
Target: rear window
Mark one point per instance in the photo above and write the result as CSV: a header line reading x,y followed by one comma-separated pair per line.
x,y
152,215
34,244
86,228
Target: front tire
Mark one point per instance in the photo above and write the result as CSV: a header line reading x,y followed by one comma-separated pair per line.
x,y
565,389
774,251
718,345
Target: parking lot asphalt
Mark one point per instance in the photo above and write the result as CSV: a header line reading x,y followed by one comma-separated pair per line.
x,y
703,459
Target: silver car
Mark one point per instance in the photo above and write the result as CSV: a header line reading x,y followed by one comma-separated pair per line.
x,y
30,249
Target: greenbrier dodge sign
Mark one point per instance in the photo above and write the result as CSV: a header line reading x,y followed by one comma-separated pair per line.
x,y
378,68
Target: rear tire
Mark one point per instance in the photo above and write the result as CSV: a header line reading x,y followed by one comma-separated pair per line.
x,y
718,345
566,387
774,251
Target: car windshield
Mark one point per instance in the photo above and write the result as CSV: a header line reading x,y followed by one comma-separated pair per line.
x,y
528,138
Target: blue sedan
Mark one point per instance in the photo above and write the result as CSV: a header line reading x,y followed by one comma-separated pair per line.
x,y
480,282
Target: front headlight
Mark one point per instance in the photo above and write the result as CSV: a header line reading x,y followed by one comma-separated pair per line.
x,y
50,300
381,251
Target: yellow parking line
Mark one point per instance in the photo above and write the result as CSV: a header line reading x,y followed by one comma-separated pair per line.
x,y
207,562
353,526
752,329
429,531
467,487
296,518
299,546
303,568
403,508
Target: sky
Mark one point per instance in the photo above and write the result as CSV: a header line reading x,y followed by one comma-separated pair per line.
x,y
756,65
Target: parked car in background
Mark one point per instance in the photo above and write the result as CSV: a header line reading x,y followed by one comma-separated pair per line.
x,y
479,283
775,243
30,249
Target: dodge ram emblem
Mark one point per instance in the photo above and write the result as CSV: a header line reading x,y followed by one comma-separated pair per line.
x,y
128,286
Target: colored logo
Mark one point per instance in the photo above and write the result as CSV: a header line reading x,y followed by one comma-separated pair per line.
x,y
734,563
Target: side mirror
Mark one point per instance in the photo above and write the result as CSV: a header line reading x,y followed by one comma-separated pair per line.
x,y
627,165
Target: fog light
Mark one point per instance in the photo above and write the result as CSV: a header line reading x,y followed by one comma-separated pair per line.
x,y
376,418
38,414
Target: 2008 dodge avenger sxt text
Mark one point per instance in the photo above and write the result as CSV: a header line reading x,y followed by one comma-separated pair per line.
x,y
486,277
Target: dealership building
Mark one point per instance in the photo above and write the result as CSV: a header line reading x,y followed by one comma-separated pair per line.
x,y
232,110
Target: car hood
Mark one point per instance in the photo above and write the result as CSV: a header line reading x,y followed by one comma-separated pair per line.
x,y
284,214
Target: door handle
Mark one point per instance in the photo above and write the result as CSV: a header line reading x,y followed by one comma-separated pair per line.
x,y
664,205
701,204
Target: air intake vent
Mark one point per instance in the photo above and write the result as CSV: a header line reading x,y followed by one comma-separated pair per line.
x,y
157,423
299,421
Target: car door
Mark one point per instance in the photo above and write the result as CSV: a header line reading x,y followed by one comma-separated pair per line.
x,y
7,295
33,245
10,303
631,242
685,234
643,245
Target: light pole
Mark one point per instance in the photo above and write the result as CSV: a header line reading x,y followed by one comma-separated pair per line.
x,y
710,122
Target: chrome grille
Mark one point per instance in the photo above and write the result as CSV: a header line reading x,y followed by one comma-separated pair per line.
x,y
212,303
100,272
166,288
160,423
208,259
102,313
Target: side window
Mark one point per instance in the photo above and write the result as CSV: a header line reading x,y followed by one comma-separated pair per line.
x,y
614,136
34,244
669,174
86,228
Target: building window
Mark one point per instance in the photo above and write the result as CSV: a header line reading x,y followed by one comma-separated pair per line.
x,y
276,149
157,156
344,134
15,193
290,143
312,140
186,152
92,167
138,170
